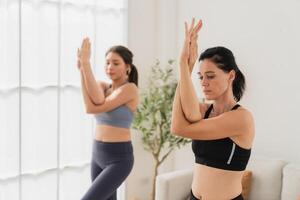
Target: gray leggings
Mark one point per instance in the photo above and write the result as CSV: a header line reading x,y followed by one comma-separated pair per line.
x,y
111,164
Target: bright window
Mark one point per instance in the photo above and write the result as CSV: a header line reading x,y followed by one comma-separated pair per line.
x,y
45,135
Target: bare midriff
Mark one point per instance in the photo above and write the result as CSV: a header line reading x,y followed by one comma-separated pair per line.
x,y
216,184
106,133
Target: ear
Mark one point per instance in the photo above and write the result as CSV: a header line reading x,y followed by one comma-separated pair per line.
x,y
128,69
232,75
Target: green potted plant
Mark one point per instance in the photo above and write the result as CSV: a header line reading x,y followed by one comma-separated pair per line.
x,y
153,117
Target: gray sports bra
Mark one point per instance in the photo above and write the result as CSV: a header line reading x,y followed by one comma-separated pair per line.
x,y
121,116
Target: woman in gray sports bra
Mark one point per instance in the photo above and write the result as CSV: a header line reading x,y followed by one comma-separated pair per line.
x,y
113,106
222,132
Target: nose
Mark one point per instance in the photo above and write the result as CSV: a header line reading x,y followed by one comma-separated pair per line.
x,y
109,67
204,82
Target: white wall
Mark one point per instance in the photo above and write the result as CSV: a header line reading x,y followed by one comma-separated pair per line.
x,y
263,35
148,41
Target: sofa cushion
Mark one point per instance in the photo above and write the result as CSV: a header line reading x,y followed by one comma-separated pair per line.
x,y
291,182
266,178
174,185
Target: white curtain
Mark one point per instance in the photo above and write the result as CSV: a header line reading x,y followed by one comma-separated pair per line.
x,y
45,135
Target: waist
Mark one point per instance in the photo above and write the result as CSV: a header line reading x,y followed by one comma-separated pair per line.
x,y
115,123
215,183
108,133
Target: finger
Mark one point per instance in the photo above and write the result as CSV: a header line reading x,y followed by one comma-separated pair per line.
x,y
196,29
82,43
78,64
198,26
78,53
186,28
192,25
187,37
85,43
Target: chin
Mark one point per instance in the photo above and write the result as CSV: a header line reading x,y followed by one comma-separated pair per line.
x,y
111,77
209,97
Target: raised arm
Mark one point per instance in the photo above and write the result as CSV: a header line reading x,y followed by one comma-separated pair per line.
x,y
86,98
94,90
120,96
178,118
188,97
228,124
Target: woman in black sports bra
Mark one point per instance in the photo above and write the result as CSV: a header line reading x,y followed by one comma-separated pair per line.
x,y
223,131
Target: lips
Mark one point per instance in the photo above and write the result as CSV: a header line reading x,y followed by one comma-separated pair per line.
x,y
206,91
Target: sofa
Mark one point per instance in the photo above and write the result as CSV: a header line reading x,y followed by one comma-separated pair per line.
x,y
272,179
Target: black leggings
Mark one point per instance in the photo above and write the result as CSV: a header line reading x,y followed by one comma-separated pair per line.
x,y
111,164
240,197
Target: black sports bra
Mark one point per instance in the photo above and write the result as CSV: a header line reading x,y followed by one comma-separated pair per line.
x,y
221,153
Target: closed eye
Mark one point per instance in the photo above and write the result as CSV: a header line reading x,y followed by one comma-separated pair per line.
x,y
208,77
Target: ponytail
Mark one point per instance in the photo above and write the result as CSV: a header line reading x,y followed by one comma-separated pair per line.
x,y
238,85
133,75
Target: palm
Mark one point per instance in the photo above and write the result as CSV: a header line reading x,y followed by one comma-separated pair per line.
x,y
190,48
85,51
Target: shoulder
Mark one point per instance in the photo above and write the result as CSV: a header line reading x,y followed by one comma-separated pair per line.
x,y
244,112
128,89
242,116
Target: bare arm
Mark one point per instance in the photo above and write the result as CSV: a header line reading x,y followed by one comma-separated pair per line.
x,y
86,98
228,124
94,90
120,96
188,97
178,118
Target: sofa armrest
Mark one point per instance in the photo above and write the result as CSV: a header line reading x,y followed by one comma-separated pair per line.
x,y
266,178
174,185
291,182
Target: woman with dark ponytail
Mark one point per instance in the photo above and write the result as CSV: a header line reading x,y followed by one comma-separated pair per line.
x,y
222,132
113,105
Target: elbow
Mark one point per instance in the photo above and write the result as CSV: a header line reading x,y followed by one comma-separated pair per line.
x,y
89,110
193,117
98,102
174,130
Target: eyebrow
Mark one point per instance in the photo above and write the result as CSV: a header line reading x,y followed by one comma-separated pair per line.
x,y
208,72
113,60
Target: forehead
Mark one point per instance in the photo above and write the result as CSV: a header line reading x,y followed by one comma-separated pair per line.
x,y
208,66
113,56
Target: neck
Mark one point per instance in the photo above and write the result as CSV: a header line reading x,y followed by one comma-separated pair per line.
x,y
119,82
223,104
